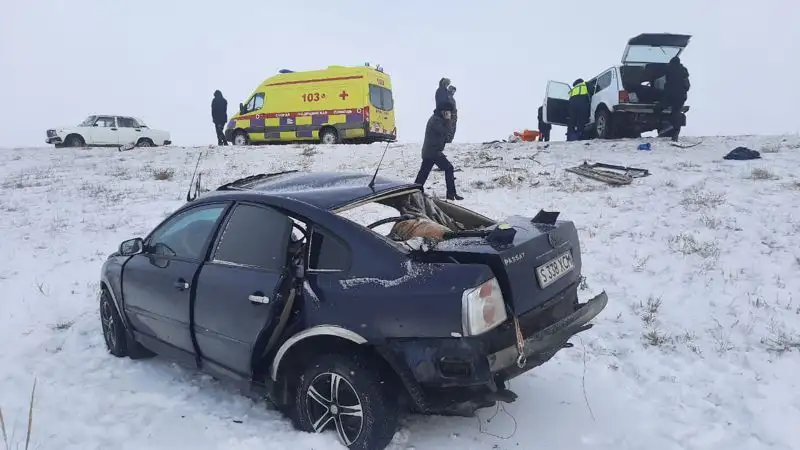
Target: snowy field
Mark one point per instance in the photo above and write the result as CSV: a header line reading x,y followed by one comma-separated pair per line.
x,y
699,347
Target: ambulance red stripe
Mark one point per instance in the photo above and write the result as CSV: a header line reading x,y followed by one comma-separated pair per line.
x,y
322,112
317,80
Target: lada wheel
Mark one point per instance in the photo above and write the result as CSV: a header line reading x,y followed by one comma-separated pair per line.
x,y
346,394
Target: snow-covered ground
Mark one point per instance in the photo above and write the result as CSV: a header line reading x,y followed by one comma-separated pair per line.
x,y
697,349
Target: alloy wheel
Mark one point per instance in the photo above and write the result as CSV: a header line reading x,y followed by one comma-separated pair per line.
x,y
109,325
332,400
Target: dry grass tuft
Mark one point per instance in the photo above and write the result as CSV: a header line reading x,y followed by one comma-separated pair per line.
x,y
163,174
696,198
762,174
687,244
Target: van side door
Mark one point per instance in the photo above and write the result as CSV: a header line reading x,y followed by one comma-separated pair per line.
x,y
236,305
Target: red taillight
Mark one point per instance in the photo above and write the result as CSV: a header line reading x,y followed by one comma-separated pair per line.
x,y
624,97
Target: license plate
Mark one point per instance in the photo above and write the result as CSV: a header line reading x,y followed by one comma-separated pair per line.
x,y
549,272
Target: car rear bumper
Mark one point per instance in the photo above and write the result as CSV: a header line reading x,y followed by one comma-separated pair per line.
x,y
441,373
643,108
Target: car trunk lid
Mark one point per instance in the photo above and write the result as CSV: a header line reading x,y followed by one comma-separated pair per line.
x,y
541,261
654,48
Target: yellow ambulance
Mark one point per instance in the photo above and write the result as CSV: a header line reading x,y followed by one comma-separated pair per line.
x,y
333,105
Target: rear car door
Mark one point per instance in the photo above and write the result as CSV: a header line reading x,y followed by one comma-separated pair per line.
x,y
381,118
556,103
127,130
157,284
236,290
104,131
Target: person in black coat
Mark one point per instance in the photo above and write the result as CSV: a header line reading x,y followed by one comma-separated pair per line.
x,y
219,115
544,128
453,115
433,153
444,101
676,89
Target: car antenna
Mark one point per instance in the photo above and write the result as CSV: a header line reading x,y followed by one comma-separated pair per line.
x,y
375,175
189,196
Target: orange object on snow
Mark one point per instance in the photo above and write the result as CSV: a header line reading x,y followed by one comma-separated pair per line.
x,y
527,135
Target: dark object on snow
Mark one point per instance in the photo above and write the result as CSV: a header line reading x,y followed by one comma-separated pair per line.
x,y
644,146
502,236
219,115
613,174
312,298
545,217
742,154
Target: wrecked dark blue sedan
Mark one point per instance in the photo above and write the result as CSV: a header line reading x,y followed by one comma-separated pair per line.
x,y
272,283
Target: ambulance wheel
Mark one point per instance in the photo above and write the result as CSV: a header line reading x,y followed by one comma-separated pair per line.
x,y
329,136
240,138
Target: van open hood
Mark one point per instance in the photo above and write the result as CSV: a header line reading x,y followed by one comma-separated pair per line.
x,y
654,48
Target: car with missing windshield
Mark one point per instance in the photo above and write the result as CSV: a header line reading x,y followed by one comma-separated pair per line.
x,y
347,299
624,98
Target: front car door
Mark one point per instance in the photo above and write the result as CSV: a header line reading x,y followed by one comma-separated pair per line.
x,y
157,283
556,103
257,126
104,131
237,289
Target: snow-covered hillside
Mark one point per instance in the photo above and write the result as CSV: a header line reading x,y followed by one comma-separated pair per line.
x,y
698,348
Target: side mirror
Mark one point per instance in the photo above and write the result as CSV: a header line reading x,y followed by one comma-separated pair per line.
x,y
131,247
241,109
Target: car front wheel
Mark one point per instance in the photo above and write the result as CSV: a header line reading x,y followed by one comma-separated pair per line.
x,y
113,329
348,394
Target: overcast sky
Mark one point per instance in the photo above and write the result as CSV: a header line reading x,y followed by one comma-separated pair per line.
x,y
162,59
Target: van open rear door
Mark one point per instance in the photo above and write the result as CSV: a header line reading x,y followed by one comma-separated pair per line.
x,y
556,103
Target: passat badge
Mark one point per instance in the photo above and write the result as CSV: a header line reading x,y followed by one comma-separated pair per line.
x,y
513,259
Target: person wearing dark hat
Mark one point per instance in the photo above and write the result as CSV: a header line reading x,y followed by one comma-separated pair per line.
x,y
453,115
579,108
442,97
436,132
219,115
676,89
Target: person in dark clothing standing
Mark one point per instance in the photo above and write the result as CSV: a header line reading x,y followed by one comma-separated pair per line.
x,y
219,115
453,115
544,128
579,108
676,88
444,101
433,153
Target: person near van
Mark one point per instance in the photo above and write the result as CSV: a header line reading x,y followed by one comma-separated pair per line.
x,y
219,115
544,128
579,108
451,90
676,88
433,153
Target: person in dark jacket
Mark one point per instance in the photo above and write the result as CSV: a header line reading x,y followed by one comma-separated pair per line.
x,y
544,128
579,108
676,89
443,98
433,153
219,115
453,115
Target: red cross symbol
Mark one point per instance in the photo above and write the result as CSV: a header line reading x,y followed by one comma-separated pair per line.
x,y
344,95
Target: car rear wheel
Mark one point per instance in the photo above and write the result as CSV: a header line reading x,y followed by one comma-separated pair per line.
x,y
145,142
349,394
603,124
240,138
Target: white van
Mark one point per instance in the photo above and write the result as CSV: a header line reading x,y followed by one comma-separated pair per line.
x,y
622,106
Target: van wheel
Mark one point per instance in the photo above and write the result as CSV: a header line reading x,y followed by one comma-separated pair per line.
x,y
346,393
240,138
603,124
329,136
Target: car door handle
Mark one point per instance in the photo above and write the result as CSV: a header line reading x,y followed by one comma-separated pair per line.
x,y
181,285
260,299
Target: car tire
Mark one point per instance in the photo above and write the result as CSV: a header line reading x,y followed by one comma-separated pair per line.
x,y
604,126
364,412
145,142
240,138
74,140
118,342
329,136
